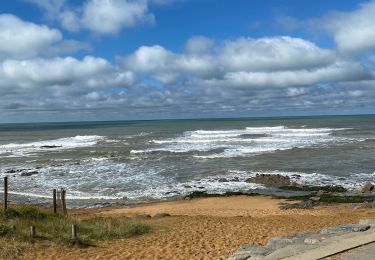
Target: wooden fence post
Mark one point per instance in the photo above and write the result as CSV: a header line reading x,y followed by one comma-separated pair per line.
x,y
54,201
63,201
5,193
74,232
32,231
74,240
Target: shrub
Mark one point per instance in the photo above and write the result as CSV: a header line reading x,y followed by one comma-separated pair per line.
x,y
5,230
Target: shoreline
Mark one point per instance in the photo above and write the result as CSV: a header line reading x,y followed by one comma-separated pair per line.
x,y
329,195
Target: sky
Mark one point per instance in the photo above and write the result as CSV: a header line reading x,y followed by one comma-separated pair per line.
x,y
70,60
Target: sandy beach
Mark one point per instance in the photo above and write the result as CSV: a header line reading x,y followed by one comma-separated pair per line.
x,y
207,228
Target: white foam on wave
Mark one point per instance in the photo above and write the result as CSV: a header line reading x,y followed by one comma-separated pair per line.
x,y
90,179
243,142
208,185
104,179
27,149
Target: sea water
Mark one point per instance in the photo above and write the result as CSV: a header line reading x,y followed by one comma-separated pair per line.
x,y
139,161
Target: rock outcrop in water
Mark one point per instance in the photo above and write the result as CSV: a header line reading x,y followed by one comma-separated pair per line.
x,y
367,187
23,172
274,180
29,173
50,146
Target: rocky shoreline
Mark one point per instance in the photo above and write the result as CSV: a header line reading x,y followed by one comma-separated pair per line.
x,y
278,186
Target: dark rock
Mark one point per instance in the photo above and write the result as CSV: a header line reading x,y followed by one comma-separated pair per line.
x,y
187,186
111,154
367,187
235,179
171,192
223,180
50,146
30,173
16,170
275,180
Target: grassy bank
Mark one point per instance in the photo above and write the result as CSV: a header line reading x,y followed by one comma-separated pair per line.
x,y
16,222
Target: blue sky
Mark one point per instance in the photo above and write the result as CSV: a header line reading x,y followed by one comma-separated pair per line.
x,y
64,60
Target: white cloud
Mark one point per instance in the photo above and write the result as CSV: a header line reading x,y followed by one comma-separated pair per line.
x,y
67,74
199,45
110,16
269,54
354,32
168,67
245,62
70,21
150,58
24,39
207,78
294,92
99,16
340,71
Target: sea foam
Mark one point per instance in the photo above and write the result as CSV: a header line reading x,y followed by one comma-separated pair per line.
x,y
243,142
27,149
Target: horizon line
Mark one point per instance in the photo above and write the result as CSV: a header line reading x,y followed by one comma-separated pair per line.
x,y
186,119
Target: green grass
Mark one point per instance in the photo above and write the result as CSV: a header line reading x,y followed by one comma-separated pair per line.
x,y
346,199
327,188
5,230
16,222
203,194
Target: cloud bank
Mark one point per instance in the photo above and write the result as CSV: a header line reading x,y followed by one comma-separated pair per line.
x,y
39,73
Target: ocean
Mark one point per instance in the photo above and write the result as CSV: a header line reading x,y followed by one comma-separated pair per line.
x,y
126,162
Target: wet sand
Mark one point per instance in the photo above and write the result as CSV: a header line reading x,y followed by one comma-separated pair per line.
x,y
208,228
